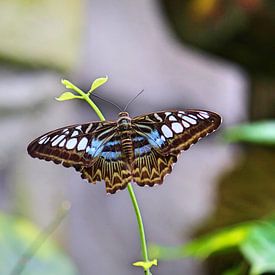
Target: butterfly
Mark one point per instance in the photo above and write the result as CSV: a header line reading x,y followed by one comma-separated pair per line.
x,y
142,149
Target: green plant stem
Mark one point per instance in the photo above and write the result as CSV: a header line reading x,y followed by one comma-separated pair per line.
x,y
130,189
90,102
140,226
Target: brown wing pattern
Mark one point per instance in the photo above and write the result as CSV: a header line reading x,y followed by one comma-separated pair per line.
x,y
95,149
67,145
110,167
151,168
162,136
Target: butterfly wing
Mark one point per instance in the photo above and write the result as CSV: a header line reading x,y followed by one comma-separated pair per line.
x,y
110,167
160,137
149,166
93,149
74,145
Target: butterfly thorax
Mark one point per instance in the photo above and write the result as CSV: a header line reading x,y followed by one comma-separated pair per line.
x,y
124,127
124,122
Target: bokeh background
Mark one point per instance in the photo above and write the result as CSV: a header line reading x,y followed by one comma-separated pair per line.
x,y
208,54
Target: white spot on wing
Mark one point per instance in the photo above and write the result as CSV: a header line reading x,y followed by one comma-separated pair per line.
x,y
71,143
201,117
62,143
190,120
56,136
163,138
45,136
168,114
46,140
166,131
42,139
172,118
56,141
193,116
157,117
79,128
89,128
82,144
204,114
185,124
65,130
75,133
177,127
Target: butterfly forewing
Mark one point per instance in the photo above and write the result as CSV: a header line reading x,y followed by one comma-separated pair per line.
x,y
73,145
173,131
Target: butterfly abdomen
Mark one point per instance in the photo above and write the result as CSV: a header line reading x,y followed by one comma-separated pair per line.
x,y
127,147
125,131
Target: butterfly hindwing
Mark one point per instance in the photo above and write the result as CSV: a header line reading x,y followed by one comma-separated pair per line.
x,y
110,166
73,145
149,166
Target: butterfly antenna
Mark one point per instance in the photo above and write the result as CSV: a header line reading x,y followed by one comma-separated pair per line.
x,y
131,101
106,100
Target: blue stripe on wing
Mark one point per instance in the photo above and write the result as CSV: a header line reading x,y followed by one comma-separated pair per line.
x,y
97,146
154,139
139,151
110,155
144,144
111,150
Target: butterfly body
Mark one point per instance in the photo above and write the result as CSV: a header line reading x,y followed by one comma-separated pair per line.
x,y
142,149
125,133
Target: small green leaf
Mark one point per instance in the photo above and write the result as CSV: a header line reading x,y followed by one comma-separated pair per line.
x,y
67,96
257,132
67,84
146,265
98,82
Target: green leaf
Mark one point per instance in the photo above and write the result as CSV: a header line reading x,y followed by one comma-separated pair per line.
x,y
221,240
259,248
201,248
98,82
67,96
16,236
257,132
256,241
67,84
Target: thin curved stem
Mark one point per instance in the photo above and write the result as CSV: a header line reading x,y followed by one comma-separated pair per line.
x,y
130,190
